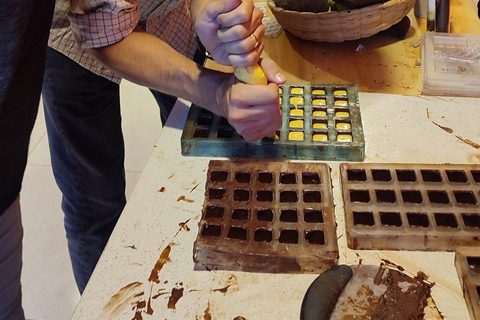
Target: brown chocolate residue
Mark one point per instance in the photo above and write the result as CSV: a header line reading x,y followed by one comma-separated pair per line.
x,y
138,315
222,290
120,300
177,293
405,297
469,142
182,198
162,189
171,176
184,225
164,258
131,247
207,315
447,129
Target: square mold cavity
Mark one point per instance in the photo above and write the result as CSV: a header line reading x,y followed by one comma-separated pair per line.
x,y
269,217
320,122
467,263
411,206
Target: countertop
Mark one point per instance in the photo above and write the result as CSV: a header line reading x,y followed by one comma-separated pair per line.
x,y
148,260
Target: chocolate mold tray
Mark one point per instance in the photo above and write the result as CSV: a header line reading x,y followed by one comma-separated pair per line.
x,y
467,263
262,216
320,122
411,206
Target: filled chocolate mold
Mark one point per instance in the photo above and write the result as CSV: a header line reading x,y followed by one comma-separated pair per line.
x,y
411,206
267,217
320,121
467,263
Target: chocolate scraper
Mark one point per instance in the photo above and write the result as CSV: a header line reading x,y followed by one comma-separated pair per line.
x,y
322,295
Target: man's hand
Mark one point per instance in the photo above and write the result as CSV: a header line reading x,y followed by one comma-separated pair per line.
x,y
253,110
232,31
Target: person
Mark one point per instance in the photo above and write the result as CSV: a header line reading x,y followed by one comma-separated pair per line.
x,y
23,41
92,46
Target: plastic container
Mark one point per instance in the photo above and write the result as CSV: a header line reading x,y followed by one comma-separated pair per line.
x,y
451,64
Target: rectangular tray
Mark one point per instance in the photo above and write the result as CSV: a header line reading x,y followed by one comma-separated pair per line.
x,y
333,107
467,263
262,216
429,207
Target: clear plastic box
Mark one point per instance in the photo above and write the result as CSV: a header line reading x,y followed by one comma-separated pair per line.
x,y
451,64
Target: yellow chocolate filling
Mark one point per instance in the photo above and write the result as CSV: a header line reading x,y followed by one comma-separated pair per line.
x,y
342,114
320,137
341,103
296,124
319,114
318,92
344,138
319,102
343,125
295,136
297,101
296,112
296,90
320,125
340,92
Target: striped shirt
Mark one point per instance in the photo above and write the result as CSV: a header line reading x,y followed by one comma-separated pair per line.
x,y
103,22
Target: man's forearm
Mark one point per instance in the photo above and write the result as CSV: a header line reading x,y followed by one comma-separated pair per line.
x,y
148,61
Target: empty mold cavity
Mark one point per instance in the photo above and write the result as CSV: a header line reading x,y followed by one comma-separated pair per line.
x,y
237,233
310,178
219,176
288,196
391,219
241,195
288,178
265,177
288,236
289,216
342,113
312,196
263,235
474,264
406,175
319,124
438,197
265,215
356,175
446,220
224,122
225,133
431,175
265,195
364,218
417,219
313,216
315,237
475,175
465,197
381,175
240,214
211,230
242,177
386,196
201,132
471,220
214,212
216,194
359,196
412,196
456,176
319,112
204,120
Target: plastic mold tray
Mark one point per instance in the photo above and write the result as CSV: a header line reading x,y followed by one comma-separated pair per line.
x,y
320,122
467,263
451,64
411,206
262,216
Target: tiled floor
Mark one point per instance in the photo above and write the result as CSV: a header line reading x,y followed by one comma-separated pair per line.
x,y
49,290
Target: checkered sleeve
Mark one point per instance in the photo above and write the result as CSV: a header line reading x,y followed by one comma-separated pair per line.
x,y
103,22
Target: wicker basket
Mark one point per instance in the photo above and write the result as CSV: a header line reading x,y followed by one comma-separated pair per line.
x,y
338,26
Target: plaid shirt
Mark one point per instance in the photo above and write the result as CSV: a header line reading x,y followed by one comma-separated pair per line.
x,y
104,22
